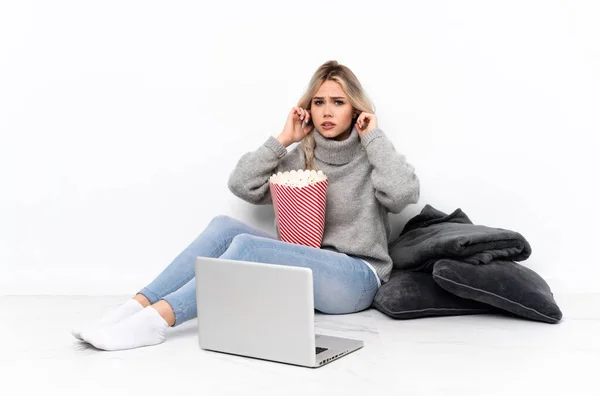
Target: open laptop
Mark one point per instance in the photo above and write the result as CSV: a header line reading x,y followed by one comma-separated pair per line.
x,y
263,311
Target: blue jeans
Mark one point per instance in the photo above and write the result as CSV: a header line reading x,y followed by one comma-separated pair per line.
x,y
342,283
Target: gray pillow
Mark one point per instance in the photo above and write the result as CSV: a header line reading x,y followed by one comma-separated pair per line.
x,y
505,285
409,295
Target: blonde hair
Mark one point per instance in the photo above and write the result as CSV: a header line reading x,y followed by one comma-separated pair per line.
x,y
357,97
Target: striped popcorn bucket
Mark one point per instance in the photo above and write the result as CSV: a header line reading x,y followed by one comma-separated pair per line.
x,y
299,200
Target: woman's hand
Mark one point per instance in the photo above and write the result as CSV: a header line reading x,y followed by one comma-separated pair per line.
x,y
298,125
365,123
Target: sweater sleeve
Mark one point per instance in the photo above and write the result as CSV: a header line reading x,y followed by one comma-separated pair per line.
x,y
395,181
249,180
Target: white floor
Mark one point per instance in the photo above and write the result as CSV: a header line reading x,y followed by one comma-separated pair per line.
x,y
460,355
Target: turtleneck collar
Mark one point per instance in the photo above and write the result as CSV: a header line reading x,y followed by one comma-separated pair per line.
x,y
334,152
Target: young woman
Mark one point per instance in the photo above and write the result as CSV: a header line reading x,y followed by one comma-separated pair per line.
x,y
339,134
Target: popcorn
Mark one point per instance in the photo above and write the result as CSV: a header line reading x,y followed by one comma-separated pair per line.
x,y
299,178
299,200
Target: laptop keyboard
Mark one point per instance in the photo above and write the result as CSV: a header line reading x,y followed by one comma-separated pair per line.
x,y
319,350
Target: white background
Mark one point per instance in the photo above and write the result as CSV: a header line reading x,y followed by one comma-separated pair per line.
x,y
120,122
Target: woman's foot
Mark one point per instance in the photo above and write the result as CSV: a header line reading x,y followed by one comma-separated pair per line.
x,y
146,327
125,310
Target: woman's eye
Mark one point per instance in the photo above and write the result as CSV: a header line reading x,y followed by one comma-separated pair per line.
x,y
319,102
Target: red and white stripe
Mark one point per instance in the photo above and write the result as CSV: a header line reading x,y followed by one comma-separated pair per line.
x,y
300,212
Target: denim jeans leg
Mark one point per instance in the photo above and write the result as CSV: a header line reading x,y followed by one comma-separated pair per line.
x,y
342,284
212,242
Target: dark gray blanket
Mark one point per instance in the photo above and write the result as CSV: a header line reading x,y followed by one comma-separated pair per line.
x,y
433,235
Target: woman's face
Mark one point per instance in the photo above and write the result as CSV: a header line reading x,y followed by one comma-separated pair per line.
x,y
330,104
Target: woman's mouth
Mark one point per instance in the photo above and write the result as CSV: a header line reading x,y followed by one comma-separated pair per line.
x,y
328,125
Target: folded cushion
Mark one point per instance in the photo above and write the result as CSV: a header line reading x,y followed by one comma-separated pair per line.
x,y
505,285
409,295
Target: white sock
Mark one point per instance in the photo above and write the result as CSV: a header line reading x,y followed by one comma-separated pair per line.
x,y
144,328
123,311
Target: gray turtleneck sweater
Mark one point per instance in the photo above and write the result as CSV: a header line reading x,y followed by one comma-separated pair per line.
x,y
367,178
